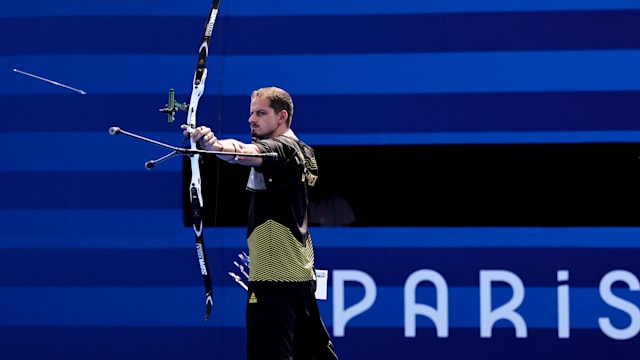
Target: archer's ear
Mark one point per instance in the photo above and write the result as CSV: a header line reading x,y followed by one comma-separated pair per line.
x,y
283,115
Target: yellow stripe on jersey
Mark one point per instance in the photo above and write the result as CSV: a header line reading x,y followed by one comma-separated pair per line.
x,y
276,255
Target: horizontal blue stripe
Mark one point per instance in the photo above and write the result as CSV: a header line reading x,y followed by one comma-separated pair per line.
x,y
130,155
229,343
294,7
460,266
127,342
38,8
59,306
335,74
440,73
453,237
135,113
90,190
463,112
106,229
148,267
157,228
456,118
111,268
78,152
377,343
78,71
453,32
539,308
117,306
108,35
473,138
73,343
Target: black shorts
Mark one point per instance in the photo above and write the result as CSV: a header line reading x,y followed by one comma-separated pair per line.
x,y
283,322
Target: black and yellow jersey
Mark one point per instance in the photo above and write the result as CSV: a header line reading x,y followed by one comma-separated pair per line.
x,y
279,242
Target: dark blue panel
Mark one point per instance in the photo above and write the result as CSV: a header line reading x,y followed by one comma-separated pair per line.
x,y
44,229
100,267
388,343
486,112
329,34
446,32
108,343
389,267
135,113
91,190
461,266
297,8
102,35
328,74
375,113
385,343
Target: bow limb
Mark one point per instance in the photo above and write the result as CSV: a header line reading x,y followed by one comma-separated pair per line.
x,y
195,187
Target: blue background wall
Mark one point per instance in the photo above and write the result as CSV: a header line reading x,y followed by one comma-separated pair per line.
x,y
94,257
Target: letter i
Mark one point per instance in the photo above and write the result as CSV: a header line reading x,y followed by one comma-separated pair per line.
x,y
563,304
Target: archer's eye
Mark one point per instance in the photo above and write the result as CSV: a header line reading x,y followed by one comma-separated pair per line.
x,y
258,113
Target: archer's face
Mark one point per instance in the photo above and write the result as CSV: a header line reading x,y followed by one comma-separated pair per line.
x,y
263,120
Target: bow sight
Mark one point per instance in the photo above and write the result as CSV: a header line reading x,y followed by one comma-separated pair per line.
x,y
171,107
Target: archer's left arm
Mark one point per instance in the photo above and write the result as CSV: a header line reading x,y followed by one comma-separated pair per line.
x,y
207,140
238,149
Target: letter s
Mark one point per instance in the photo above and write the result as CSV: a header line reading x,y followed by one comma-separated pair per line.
x,y
619,303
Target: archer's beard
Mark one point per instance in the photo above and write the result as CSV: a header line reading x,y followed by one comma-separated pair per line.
x,y
255,135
